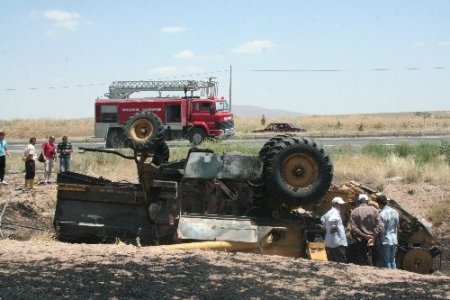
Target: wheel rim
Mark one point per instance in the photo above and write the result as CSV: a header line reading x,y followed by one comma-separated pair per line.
x,y
116,139
417,260
299,171
197,138
141,130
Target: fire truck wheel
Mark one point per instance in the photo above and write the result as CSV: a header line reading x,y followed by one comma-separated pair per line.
x,y
115,138
143,130
297,171
196,135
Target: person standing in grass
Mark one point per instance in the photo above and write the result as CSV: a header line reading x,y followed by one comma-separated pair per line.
x,y
30,167
64,150
3,153
388,241
49,153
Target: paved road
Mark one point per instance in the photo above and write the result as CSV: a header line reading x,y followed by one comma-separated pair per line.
x,y
327,142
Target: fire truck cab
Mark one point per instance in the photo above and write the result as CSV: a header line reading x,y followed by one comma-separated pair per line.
x,y
189,117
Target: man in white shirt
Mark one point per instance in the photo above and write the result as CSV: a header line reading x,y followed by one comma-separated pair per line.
x,y
388,241
335,239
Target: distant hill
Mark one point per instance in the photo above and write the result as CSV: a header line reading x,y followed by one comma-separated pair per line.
x,y
256,111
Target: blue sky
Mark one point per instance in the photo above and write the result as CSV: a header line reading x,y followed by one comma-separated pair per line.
x,y
58,56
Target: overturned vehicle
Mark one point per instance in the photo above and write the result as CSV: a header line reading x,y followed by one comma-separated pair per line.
x,y
270,203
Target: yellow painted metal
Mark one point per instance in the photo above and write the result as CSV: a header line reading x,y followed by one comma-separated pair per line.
x,y
213,245
284,242
299,170
72,187
141,129
316,251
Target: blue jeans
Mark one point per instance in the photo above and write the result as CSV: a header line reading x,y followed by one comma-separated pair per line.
x,y
388,255
64,163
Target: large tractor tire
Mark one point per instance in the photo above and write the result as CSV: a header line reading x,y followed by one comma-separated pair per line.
x,y
196,135
267,148
297,172
143,131
115,138
161,153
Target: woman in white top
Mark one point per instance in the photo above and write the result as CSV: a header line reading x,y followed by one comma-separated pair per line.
x,y
30,168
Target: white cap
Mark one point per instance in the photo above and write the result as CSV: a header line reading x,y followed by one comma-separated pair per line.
x,y
363,197
337,200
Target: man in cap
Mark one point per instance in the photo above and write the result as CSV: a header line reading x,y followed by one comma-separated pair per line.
x,y
388,241
365,226
335,239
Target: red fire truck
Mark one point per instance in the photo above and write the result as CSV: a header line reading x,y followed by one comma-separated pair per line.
x,y
188,116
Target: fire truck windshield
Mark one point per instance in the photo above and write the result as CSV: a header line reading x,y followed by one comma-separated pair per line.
x,y
221,106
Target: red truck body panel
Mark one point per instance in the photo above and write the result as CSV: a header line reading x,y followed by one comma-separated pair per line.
x,y
177,113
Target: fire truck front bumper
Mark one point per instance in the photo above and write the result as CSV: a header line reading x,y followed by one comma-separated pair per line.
x,y
228,133
223,134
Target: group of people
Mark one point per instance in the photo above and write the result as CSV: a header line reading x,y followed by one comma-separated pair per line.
x,y
49,154
370,238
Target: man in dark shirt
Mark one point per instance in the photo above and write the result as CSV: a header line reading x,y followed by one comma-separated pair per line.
x,y
64,150
366,225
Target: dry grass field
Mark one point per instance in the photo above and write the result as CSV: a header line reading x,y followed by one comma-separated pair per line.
x,y
419,123
42,128
435,122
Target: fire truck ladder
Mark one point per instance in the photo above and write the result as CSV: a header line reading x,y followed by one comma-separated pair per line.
x,y
123,89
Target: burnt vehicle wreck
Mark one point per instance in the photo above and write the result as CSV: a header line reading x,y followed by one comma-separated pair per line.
x,y
270,203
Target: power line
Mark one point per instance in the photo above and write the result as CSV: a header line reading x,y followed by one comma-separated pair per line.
x,y
350,70
188,75
103,84
172,77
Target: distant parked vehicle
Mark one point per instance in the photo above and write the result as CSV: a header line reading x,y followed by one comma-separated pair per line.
x,y
280,127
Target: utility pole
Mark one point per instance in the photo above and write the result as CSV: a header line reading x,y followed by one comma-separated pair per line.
x,y
229,96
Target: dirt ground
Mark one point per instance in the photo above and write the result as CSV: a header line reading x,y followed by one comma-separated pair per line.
x,y
33,265
79,271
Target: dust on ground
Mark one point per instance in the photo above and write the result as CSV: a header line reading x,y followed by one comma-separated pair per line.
x,y
33,265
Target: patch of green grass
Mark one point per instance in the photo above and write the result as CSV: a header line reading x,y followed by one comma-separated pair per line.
x,y
374,149
217,146
342,150
445,151
403,149
425,153
220,147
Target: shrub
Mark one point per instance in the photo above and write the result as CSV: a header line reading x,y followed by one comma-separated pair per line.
x,y
411,175
403,149
376,150
425,153
263,120
378,125
341,150
361,127
439,212
445,151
